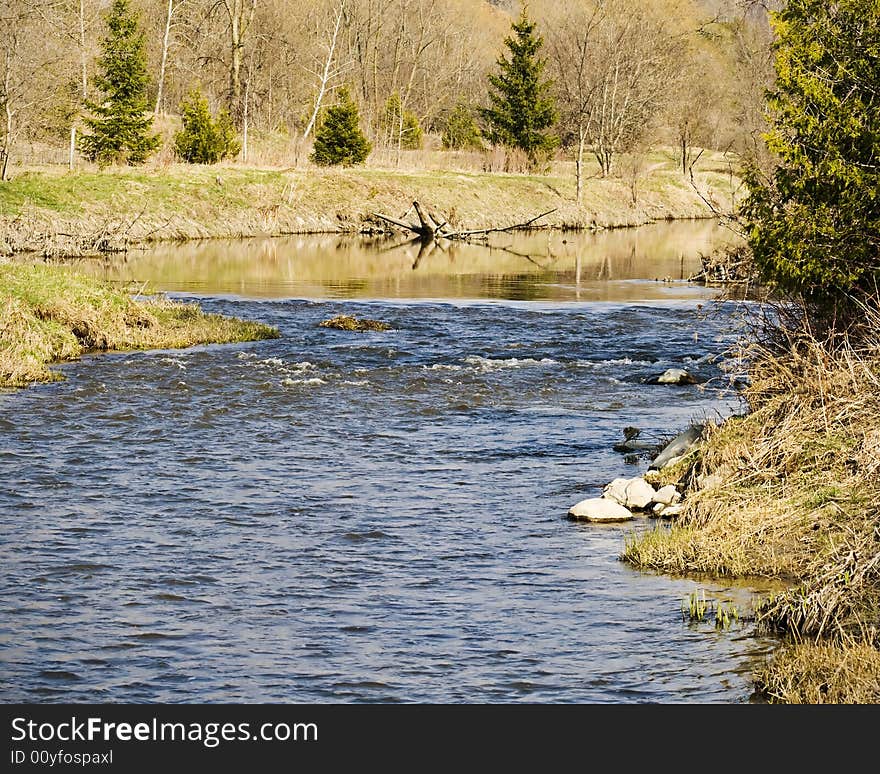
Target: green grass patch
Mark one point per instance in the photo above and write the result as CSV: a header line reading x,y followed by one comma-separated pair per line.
x,y
50,314
59,213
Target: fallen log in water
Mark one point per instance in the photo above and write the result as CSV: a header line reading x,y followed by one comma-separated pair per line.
x,y
430,226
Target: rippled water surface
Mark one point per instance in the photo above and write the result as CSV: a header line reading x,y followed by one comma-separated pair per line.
x,y
371,517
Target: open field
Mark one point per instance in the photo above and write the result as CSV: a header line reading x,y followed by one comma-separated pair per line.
x,y
56,213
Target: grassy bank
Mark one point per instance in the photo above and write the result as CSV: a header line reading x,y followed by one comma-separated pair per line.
x,y
54,212
49,314
792,491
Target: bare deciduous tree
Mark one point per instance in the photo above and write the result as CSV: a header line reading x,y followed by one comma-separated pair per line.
x,y
33,69
172,9
614,59
328,71
239,16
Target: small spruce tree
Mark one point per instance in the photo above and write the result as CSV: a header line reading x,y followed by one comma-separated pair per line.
x,y
461,131
204,139
120,125
523,108
408,132
339,139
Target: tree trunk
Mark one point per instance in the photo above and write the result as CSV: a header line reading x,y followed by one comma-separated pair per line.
x,y
327,72
684,154
71,158
82,49
235,72
603,156
399,133
244,134
7,108
165,39
7,144
579,166
240,21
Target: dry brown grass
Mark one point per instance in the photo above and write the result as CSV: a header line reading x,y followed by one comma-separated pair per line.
x,y
792,491
57,213
821,674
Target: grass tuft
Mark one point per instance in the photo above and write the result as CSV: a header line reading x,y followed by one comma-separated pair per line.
x,y
345,322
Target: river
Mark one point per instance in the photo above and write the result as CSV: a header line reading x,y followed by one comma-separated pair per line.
x,y
369,517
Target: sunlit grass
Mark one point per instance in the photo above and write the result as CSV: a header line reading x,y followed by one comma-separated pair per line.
x,y
794,496
60,213
50,314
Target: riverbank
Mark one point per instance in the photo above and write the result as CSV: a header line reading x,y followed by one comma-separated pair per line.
x,y
56,213
49,315
790,492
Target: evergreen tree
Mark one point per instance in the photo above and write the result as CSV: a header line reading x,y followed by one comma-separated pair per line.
x,y
523,109
121,123
461,130
407,132
204,139
339,139
814,222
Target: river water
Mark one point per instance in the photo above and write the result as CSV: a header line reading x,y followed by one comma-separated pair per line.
x,y
369,517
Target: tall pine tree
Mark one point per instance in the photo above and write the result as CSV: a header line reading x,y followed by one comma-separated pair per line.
x,y
339,139
523,108
120,125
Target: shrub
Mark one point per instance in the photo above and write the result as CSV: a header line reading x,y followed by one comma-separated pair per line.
x,y
204,139
461,131
339,139
407,132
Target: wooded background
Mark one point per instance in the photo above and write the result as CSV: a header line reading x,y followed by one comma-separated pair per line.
x,y
627,74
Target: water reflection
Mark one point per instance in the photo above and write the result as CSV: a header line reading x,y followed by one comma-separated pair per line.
x,y
542,265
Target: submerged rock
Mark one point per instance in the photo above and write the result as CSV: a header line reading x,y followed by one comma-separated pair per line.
x,y
599,509
346,322
677,447
673,376
632,493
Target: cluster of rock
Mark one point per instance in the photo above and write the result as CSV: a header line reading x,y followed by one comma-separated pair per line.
x,y
624,497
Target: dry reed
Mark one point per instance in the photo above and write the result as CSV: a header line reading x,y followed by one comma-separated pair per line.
x,y
791,491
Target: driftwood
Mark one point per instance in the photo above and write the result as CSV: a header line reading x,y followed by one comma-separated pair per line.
x,y
727,266
431,227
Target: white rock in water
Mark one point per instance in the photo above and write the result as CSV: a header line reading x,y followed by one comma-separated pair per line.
x,y
671,510
599,509
675,376
630,492
667,495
